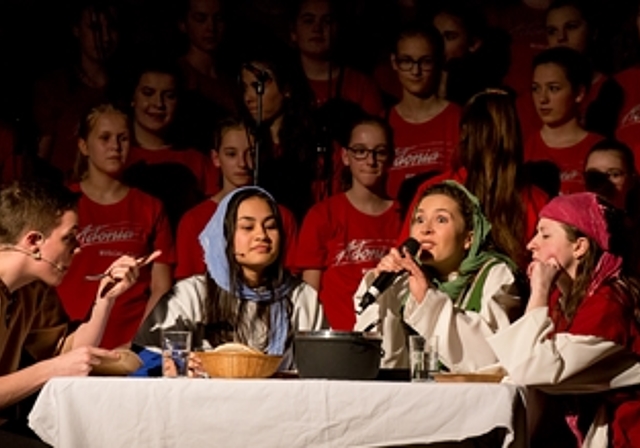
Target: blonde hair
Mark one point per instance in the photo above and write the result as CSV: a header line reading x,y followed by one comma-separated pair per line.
x,y
85,127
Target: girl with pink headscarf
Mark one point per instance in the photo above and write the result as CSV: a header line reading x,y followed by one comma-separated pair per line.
x,y
578,344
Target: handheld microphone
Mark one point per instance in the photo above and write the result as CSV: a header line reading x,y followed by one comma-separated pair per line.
x,y
386,279
261,74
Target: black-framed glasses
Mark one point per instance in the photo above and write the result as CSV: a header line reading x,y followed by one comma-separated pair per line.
x,y
406,63
379,153
612,174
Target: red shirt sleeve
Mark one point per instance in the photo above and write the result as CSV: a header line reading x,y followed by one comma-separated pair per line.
x,y
604,314
290,227
189,253
163,239
311,250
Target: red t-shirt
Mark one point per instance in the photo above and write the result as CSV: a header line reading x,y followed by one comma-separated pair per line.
x,y
356,87
343,243
569,160
200,165
219,90
629,80
534,199
608,313
387,80
422,147
527,29
135,226
630,135
190,256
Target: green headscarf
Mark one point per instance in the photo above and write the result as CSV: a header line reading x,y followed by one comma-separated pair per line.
x,y
476,257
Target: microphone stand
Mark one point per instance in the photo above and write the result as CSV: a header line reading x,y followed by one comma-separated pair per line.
x,y
261,78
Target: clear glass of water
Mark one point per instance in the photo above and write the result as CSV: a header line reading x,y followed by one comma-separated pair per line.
x,y
418,358
433,360
423,357
176,346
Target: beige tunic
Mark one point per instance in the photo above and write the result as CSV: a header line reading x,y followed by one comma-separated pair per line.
x,y
462,334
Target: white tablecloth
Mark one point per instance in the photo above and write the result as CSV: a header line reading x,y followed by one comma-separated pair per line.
x,y
136,413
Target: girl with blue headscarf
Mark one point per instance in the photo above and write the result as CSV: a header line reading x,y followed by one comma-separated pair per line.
x,y
246,295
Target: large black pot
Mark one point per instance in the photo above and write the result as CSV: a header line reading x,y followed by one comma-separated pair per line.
x,y
337,354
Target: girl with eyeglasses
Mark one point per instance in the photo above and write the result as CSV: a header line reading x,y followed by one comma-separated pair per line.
x,y
425,125
610,172
348,233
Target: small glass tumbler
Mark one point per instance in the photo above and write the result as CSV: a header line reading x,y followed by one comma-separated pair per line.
x,y
176,346
423,354
433,360
418,358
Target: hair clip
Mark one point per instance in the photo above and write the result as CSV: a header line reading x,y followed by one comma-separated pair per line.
x,y
495,91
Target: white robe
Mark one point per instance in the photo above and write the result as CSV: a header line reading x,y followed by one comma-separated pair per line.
x,y
462,334
183,308
564,364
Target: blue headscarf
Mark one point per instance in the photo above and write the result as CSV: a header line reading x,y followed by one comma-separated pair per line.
x,y
214,243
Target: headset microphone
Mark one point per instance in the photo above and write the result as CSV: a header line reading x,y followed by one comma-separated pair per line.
x,y
35,255
51,263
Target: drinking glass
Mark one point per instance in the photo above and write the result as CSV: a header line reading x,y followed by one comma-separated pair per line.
x,y
423,355
418,358
176,346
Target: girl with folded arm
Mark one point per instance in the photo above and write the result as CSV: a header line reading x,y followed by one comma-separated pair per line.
x,y
579,339
456,288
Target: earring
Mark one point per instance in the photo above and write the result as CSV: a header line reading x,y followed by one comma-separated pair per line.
x,y
37,255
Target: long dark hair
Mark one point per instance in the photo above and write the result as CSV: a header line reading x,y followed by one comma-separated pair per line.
x,y
625,284
225,310
492,153
287,175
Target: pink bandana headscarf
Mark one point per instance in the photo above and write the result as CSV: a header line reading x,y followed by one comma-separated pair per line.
x,y
585,213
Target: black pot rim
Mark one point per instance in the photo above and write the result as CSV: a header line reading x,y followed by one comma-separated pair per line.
x,y
341,335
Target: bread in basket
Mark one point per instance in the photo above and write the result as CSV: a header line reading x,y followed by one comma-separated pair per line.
x,y
234,360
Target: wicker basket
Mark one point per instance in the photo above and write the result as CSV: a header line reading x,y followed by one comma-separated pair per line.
x,y
239,364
